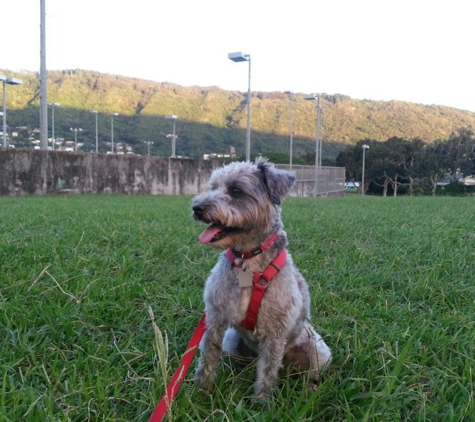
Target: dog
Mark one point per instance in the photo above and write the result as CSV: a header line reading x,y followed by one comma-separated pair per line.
x,y
242,209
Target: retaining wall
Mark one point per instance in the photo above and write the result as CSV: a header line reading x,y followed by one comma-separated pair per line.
x,y
38,172
25,171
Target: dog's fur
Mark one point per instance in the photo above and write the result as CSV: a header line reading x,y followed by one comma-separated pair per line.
x,y
244,200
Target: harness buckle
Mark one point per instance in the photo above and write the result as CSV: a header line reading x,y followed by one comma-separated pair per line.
x,y
256,251
263,282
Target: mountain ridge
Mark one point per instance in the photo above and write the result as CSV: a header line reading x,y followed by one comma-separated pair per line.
x,y
211,119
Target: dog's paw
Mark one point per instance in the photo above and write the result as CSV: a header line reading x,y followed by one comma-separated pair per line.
x,y
207,384
312,386
205,380
262,394
263,400
260,398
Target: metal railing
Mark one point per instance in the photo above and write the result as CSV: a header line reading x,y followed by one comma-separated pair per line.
x,y
312,181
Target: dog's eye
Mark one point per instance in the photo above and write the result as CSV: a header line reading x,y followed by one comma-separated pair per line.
x,y
235,192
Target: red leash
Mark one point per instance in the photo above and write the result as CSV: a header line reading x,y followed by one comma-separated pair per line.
x,y
172,389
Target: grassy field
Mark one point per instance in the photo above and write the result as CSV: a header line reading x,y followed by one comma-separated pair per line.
x,y
392,283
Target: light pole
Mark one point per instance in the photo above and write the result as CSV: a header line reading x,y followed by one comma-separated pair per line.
x,y
148,146
291,96
43,76
173,117
241,57
95,112
75,130
318,141
5,81
53,105
365,147
112,131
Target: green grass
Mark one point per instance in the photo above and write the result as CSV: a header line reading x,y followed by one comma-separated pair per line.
x,y
392,283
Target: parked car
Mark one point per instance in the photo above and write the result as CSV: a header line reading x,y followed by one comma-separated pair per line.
x,y
468,181
350,185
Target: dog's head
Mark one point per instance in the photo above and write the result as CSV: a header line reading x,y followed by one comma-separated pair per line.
x,y
242,203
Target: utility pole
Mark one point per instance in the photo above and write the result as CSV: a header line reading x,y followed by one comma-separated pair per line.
x,y
43,78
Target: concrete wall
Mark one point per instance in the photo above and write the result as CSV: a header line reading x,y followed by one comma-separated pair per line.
x,y
38,172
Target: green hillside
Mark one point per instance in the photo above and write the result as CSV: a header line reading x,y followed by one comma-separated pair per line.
x,y
210,119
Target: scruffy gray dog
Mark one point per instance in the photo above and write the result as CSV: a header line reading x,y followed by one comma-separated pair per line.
x,y
242,208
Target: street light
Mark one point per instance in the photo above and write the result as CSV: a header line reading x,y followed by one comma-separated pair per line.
x,y
173,135
53,105
95,112
75,130
112,131
3,78
365,147
291,96
241,57
148,146
5,81
318,141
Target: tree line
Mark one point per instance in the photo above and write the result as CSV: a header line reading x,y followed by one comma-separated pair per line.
x,y
412,166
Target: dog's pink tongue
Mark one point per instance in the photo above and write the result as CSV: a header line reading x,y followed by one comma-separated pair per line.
x,y
209,233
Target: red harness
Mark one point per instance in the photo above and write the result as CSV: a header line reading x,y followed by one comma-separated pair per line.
x,y
260,281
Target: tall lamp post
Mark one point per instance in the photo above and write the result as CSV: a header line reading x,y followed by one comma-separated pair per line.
x,y
318,141
43,76
95,112
75,130
5,81
291,96
112,131
173,135
241,57
53,105
365,147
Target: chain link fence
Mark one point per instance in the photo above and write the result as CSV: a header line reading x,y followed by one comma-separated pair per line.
x,y
312,181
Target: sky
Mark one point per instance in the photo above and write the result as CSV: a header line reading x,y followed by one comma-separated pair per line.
x,y
421,51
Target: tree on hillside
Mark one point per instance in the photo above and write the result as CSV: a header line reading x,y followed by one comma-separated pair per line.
x,y
412,163
429,166
395,163
382,166
347,158
458,151
352,159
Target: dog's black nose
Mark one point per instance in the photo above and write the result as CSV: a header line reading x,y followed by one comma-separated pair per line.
x,y
198,209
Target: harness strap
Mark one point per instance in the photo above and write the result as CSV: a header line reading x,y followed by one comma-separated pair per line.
x,y
260,282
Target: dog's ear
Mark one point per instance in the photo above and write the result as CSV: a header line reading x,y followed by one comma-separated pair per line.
x,y
277,182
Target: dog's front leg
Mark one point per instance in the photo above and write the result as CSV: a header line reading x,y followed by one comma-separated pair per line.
x,y
211,349
269,362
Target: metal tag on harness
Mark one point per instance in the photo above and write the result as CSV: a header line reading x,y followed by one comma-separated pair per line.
x,y
244,277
